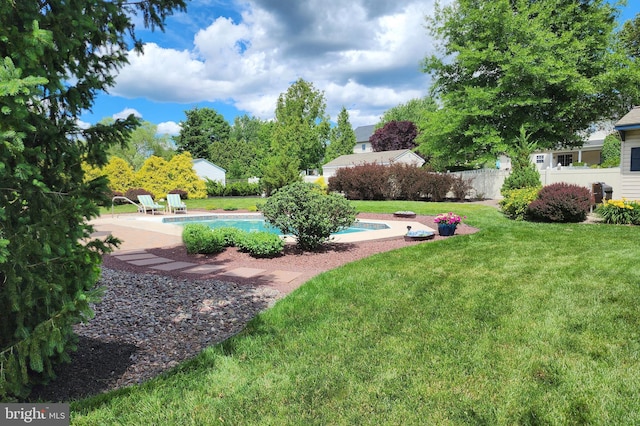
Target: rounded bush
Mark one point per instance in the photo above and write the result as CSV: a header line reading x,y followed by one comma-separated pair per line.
x,y
528,177
132,193
304,211
561,202
261,244
516,202
199,238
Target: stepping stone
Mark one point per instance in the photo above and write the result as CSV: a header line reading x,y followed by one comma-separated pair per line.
x,y
136,256
243,272
204,269
280,276
153,261
173,266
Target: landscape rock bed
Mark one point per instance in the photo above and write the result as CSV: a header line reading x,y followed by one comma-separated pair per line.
x,y
149,323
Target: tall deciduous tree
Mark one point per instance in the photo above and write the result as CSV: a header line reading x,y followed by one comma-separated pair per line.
x,y
55,57
143,142
342,138
246,148
301,127
203,128
547,66
415,110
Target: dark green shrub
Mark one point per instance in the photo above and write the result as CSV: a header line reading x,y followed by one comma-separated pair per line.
x,y
516,202
611,151
199,238
231,235
132,193
561,202
261,244
243,189
302,210
214,188
526,177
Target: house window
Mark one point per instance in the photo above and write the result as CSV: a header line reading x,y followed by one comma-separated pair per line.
x,y
635,159
565,159
364,147
539,159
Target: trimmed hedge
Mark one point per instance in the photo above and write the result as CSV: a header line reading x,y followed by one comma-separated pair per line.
x,y
400,181
200,239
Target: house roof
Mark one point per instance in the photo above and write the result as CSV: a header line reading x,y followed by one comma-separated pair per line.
x,y
205,161
382,157
363,133
630,121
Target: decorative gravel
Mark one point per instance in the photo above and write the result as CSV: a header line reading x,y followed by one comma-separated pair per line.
x,y
149,323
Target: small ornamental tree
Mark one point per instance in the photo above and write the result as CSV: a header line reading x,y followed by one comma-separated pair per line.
x,y
611,151
394,135
306,212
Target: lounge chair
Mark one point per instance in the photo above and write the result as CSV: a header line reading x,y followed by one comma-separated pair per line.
x,y
175,203
147,203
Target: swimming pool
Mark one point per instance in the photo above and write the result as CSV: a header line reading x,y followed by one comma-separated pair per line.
x,y
252,223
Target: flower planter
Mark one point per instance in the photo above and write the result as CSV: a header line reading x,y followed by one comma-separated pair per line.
x,y
446,230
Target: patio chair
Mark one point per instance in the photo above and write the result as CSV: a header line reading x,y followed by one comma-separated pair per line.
x,y
175,203
147,203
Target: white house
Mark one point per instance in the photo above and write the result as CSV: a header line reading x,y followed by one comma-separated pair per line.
x,y
589,153
384,158
363,133
206,169
629,129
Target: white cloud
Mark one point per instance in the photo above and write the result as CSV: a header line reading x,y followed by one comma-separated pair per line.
x,y
83,124
169,127
125,113
364,55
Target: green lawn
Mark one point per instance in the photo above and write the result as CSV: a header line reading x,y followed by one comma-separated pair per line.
x,y
520,323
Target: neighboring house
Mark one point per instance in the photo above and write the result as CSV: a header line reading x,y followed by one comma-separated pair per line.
x,y
206,169
383,157
589,153
363,133
629,129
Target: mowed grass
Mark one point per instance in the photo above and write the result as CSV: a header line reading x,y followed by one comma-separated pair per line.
x,y
520,323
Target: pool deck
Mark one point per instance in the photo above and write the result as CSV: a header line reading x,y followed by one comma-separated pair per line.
x,y
140,234
144,231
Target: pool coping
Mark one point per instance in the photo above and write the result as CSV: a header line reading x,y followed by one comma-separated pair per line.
x,y
154,223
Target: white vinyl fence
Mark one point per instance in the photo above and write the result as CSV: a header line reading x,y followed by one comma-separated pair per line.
x,y
487,182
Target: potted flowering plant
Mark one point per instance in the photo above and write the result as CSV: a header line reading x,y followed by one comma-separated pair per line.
x,y
447,223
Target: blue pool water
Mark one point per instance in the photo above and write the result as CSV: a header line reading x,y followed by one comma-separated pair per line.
x,y
254,223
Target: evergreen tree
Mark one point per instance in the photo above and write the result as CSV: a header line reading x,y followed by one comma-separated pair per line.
x,y
342,138
55,57
202,128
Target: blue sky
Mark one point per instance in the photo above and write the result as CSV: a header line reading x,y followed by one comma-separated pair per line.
x,y
237,56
